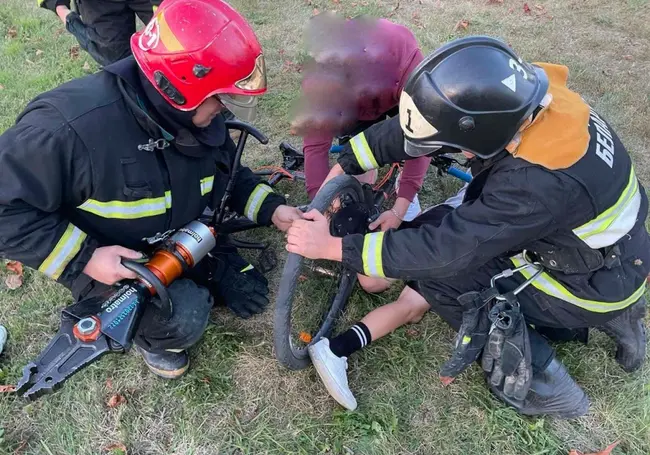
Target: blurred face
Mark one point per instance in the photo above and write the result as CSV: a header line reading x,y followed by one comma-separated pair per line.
x,y
207,111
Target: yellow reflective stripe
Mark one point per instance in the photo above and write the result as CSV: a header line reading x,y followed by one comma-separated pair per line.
x,y
128,210
466,339
247,268
167,37
548,285
619,218
371,254
66,248
255,201
206,185
363,153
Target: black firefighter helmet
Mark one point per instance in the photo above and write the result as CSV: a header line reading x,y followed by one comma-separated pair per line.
x,y
471,94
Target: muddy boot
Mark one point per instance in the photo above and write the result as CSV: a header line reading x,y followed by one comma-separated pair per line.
x,y
170,365
628,331
553,392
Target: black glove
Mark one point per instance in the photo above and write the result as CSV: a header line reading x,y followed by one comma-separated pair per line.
x,y
237,284
507,356
472,334
52,4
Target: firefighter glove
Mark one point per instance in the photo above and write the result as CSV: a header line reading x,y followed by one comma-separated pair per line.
x,y
238,285
472,334
506,358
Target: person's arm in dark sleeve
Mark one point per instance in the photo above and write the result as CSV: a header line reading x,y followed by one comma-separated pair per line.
x,y
379,145
44,169
251,197
505,216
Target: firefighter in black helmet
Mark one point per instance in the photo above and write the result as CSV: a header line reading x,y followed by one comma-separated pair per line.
x,y
550,233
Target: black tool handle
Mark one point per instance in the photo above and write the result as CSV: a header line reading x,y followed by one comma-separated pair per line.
x,y
147,275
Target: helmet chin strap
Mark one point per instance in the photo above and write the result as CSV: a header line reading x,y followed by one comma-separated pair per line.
x,y
538,114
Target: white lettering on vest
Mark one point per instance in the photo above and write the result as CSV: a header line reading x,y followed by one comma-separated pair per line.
x,y
604,140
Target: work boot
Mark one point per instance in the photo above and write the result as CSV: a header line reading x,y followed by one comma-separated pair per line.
x,y
169,365
628,331
553,392
333,372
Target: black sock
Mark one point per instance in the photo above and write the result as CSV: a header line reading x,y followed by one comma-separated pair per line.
x,y
351,341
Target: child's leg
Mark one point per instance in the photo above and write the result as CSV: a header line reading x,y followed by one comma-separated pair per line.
x,y
330,357
374,285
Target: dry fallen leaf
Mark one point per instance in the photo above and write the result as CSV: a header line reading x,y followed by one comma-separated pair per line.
x,y
463,23
304,337
15,267
205,380
74,52
115,400
2,87
316,12
117,448
446,380
39,52
7,388
18,450
14,281
412,332
109,384
495,2
628,57
526,8
606,451
12,32
86,66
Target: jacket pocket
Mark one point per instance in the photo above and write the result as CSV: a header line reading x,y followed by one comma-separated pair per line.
x,y
136,185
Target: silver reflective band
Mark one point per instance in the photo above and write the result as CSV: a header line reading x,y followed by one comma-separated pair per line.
x,y
548,285
371,254
255,201
614,223
363,153
66,248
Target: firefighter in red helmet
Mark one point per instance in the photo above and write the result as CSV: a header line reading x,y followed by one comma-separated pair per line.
x,y
97,168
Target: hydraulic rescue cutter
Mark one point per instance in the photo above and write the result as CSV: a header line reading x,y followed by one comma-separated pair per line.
x,y
92,327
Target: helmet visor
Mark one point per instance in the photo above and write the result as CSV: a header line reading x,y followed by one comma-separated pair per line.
x,y
244,107
256,80
420,149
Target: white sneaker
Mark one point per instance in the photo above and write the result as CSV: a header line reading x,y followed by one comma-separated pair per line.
x,y
332,371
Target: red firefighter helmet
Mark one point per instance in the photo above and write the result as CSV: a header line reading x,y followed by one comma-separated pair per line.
x,y
194,49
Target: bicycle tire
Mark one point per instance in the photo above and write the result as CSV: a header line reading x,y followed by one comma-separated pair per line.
x,y
288,355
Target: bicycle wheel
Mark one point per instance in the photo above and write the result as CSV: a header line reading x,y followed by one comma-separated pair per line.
x,y
313,293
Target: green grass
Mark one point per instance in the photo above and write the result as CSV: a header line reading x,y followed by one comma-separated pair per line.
x,y
236,399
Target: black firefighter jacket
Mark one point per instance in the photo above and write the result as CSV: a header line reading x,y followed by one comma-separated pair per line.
x,y
585,223
77,171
